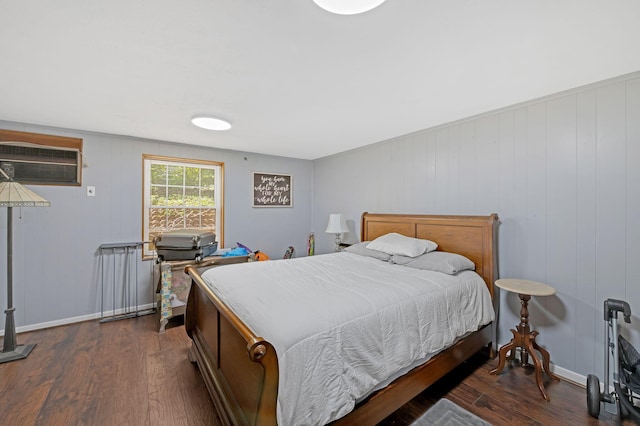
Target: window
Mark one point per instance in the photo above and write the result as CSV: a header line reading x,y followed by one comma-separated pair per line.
x,y
180,194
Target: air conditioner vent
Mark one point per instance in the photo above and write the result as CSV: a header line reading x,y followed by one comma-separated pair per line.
x,y
38,163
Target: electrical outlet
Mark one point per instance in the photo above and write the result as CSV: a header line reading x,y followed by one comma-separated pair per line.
x,y
91,191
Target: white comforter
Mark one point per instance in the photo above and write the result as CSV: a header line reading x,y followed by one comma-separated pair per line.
x,y
343,323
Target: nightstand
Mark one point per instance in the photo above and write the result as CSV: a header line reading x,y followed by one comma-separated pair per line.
x,y
523,337
173,283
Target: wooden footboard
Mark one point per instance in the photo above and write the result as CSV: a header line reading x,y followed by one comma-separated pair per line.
x,y
239,368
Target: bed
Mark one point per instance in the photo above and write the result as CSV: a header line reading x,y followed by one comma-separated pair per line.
x,y
241,369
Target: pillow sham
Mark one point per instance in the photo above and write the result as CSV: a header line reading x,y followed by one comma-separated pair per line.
x,y
441,261
394,243
362,250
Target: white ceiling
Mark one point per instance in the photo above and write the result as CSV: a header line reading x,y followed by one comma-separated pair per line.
x,y
293,79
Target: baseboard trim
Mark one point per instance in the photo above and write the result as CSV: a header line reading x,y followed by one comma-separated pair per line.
x,y
569,376
65,321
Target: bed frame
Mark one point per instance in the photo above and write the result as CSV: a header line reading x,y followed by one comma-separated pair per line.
x,y
240,369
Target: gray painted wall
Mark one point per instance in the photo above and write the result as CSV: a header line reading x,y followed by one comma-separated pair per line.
x,y
55,249
562,173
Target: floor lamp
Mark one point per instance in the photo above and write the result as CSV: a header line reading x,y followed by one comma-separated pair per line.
x,y
12,194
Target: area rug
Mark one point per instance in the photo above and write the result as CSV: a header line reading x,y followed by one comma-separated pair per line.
x,y
446,413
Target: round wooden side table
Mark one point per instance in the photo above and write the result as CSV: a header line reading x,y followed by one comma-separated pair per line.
x,y
523,337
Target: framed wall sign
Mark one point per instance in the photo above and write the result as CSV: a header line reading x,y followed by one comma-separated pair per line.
x,y
272,190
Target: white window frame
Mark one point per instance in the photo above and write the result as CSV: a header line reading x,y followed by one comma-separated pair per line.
x,y
218,167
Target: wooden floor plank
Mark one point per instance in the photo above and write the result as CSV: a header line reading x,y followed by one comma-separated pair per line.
x,y
70,379
19,410
196,399
167,409
119,390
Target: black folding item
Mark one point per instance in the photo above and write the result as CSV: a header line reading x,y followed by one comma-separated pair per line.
x,y
185,244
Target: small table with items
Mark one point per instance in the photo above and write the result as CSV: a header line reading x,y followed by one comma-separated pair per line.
x,y
174,284
523,337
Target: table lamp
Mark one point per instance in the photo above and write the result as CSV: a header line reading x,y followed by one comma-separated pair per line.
x,y
13,194
337,225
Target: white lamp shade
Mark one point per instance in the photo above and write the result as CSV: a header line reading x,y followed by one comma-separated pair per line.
x,y
337,224
12,194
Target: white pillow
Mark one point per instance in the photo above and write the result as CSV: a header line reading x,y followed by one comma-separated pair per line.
x,y
362,250
449,263
394,243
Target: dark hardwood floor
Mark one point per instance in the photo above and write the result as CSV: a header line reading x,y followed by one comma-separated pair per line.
x,y
125,373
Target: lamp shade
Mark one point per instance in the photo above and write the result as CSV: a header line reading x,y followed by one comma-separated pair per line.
x,y
13,194
337,224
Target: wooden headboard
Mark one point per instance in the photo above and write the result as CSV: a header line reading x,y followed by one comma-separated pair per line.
x,y
472,236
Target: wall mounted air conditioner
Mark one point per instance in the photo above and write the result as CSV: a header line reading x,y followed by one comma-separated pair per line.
x,y
37,164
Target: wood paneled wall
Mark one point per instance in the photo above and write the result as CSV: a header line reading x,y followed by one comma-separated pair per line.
x,y
562,172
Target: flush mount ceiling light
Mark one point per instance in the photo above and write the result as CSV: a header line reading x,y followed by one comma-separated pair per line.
x,y
348,7
210,123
